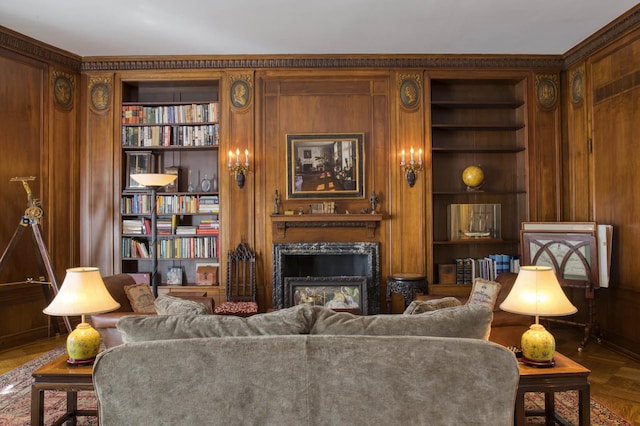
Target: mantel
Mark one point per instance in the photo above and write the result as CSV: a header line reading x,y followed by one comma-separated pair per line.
x,y
323,220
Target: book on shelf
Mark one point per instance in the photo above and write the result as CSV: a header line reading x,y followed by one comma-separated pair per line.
x,y
132,226
170,114
208,204
488,268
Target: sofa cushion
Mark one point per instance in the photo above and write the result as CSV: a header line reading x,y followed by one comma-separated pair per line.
x,y
419,306
484,292
140,297
472,321
169,305
296,320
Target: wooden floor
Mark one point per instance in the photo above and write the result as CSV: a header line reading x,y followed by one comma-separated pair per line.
x,y
615,379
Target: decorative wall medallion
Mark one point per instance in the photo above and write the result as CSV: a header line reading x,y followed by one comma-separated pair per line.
x,y
547,89
577,84
63,89
240,93
409,86
100,93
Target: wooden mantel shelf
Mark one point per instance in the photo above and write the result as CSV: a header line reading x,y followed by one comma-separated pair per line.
x,y
282,222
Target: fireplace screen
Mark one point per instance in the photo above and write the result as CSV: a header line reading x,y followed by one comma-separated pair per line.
x,y
339,293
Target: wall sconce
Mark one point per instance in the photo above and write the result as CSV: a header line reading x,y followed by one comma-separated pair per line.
x,y
239,169
411,168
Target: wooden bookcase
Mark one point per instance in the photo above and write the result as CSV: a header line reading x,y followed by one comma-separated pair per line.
x,y
171,127
478,122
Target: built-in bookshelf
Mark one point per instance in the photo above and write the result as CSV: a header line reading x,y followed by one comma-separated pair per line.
x,y
477,122
170,127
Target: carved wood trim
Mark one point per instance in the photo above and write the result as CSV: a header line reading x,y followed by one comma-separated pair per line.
x,y
281,223
357,61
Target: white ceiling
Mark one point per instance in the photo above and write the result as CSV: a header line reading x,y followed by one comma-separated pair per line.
x,y
271,27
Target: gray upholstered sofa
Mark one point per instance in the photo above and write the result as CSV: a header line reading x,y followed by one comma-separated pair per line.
x,y
308,366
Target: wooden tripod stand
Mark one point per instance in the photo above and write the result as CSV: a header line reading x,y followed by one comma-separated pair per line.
x,y
31,219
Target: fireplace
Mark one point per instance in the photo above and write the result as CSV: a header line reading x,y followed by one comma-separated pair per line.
x,y
315,260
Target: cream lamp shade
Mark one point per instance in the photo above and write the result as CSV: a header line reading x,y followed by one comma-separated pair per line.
x,y
82,292
537,291
151,180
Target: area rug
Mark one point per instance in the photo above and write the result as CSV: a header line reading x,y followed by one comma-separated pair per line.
x,y
15,401
15,396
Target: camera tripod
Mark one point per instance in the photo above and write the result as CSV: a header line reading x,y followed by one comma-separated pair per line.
x,y
31,219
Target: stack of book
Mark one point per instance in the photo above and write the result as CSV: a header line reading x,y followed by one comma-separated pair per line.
x,y
488,268
208,227
132,226
208,204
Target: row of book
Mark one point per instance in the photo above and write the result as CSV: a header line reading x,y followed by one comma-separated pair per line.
x,y
177,248
488,268
170,114
171,204
169,226
167,135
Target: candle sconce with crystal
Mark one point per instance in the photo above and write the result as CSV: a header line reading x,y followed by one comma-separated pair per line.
x,y
412,167
238,168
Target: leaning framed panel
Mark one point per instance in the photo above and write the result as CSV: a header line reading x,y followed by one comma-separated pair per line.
x,y
573,256
571,249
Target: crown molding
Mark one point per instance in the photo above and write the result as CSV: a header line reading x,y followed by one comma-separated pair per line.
x,y
616,29
32,48
324,61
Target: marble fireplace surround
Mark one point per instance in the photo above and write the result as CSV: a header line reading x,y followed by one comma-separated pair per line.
x,y
327,259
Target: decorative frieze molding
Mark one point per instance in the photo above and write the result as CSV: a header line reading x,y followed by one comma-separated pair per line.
x,y
25,46
421,61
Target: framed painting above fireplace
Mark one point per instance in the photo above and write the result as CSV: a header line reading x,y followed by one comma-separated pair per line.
x,y
325,165
344,293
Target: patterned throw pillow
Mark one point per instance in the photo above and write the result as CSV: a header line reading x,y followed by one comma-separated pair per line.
x,y
484,292
421,306
241,309
140,297
170,305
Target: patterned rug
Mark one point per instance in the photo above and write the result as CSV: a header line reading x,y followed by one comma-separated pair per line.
x,y
15,396
15,401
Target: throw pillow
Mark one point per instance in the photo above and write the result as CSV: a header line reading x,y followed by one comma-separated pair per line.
x,y
140,297
484,293
294,320
169,305
420,306
471,321
242,309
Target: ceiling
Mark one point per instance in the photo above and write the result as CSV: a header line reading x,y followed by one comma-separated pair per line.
x,y
273,27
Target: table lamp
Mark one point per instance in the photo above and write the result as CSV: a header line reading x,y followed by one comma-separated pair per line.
x,y
82,292
154,181
537,291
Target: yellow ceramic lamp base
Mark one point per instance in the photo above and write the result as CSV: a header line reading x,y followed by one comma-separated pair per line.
x,y
538,345
83,344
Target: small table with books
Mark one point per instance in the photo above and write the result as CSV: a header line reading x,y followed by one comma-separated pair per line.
x,y
564,376
58,375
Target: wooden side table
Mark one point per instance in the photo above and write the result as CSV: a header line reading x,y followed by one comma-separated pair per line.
x,y
60,376
406,284
565,375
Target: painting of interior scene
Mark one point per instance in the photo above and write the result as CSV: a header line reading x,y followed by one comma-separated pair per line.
x,y
325,167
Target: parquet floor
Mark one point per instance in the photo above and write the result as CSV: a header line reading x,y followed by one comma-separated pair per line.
x,y
615,379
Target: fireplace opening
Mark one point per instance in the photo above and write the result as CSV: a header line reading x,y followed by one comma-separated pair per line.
x,y
326,260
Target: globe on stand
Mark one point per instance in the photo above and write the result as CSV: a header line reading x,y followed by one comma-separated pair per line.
x,y
473,177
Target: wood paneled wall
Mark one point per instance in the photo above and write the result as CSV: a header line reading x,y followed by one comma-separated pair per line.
x,y
614,101
74,149
39,138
